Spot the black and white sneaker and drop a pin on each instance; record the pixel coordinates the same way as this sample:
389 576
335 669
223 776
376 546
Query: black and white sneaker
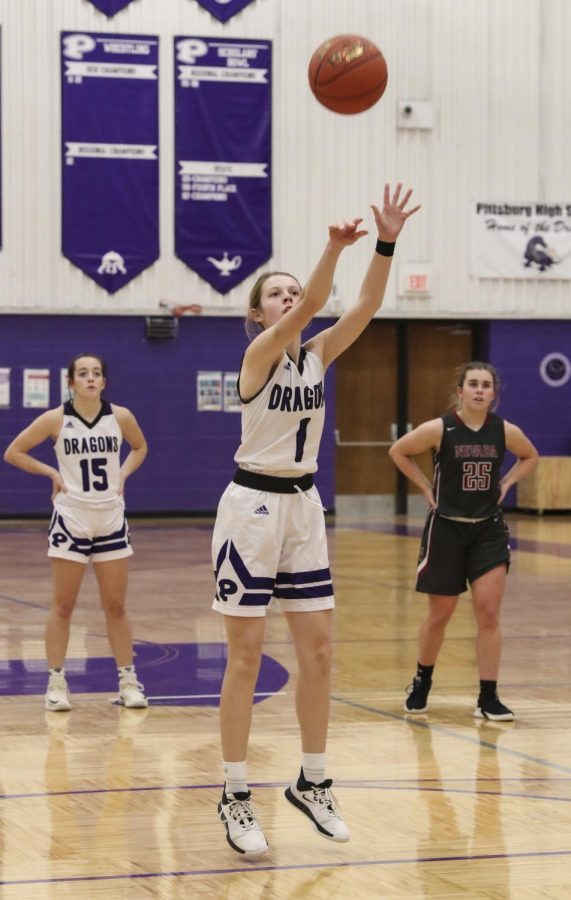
318 803
492 708
417 699
243 831
57 694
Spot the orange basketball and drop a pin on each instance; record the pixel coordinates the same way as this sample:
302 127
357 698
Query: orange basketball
348 74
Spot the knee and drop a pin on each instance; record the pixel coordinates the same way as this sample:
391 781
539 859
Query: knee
488 617
439 618
245 660
115 608
63 609
318 658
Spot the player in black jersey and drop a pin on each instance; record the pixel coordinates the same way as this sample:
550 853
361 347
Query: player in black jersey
465 538
89 517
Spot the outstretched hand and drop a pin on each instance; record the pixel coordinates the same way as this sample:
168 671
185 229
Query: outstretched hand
393 215
345 233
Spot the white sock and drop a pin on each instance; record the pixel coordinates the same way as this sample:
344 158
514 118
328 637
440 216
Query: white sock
313 765
125 670
235 777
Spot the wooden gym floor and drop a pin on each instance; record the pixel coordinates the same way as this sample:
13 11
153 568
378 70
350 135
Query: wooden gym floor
104 802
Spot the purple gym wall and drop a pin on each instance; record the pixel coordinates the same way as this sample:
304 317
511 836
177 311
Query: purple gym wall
191 453
544 412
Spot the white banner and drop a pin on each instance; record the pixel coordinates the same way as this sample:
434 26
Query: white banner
223 169
75 71
521 240
190 76
109 151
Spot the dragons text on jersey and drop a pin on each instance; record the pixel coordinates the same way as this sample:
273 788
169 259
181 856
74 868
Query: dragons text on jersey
283 423
88 455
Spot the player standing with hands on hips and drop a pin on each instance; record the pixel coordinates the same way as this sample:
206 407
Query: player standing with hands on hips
88 521
465 537
269 541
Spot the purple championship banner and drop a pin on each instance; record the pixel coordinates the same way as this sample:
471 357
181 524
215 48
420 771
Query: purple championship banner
110 7
224 9
223 118
110 137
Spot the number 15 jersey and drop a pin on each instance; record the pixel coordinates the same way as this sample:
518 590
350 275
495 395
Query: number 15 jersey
88 456
283 423
467 468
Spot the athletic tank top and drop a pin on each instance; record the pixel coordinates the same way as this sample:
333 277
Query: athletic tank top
88 456
283 423
467 468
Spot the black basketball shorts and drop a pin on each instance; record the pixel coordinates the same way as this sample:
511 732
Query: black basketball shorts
454 553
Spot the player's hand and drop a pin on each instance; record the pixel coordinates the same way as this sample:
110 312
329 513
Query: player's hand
343 234
429 497
394 214
504 488
57 485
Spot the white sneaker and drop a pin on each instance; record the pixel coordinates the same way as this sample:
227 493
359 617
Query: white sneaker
318 803
243 831
131 691
57 694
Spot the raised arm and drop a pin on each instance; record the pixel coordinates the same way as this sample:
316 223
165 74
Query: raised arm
17 453
520 445
426 437
390 220
266 349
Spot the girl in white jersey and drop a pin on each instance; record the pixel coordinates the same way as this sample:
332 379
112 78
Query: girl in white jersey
89 516
269 540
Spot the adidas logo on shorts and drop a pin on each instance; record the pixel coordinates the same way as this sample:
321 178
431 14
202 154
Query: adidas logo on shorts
262 511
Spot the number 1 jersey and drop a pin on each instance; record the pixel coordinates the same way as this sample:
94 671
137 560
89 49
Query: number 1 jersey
283 423
88 456
467 468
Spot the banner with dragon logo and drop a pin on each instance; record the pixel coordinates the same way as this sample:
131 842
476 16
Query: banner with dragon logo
223 212
527 240
110 137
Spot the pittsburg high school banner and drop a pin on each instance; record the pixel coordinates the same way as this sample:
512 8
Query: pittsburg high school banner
110 135
224 9
223 211
521 240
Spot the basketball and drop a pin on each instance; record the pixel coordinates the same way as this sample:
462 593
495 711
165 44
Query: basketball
348 74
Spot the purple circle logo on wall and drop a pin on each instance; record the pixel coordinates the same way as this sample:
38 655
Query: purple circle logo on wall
555 369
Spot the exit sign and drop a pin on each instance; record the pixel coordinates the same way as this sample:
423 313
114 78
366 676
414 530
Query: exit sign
415 280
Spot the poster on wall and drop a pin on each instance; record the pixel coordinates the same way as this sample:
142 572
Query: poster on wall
36 388
223 212
110 137
110 7
4 388
209 391
232 402
521 240
224 9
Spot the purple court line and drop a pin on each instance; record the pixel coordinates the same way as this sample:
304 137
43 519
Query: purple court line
450 733
405 784
413 860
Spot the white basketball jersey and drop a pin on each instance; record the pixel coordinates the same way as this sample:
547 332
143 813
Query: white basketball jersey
88 455
282 425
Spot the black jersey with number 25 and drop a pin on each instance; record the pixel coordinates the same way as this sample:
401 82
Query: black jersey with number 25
467 467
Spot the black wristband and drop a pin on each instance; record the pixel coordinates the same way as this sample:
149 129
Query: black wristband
385 248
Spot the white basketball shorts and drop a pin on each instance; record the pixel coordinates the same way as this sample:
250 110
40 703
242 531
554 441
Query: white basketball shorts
270 548
78 533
